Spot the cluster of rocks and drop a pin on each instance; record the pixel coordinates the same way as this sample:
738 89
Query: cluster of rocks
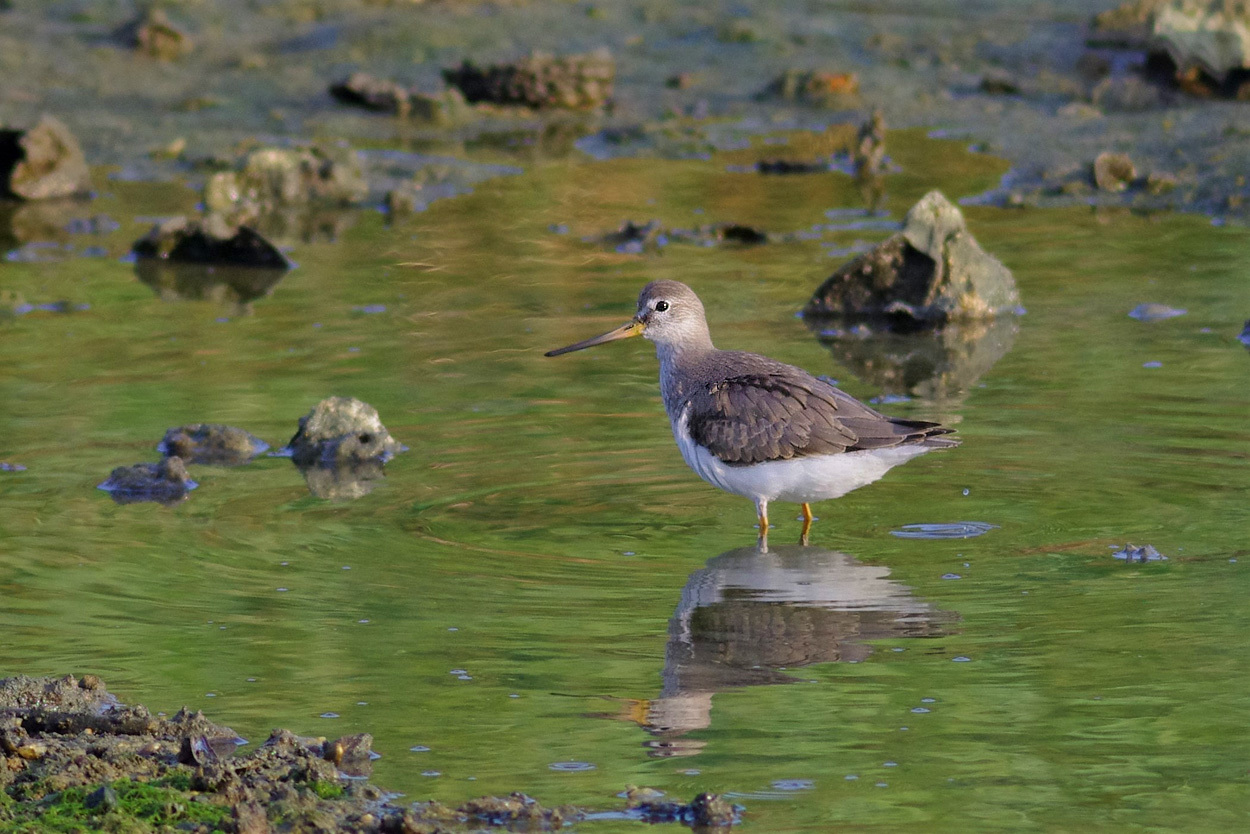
67 744
535 82
340 448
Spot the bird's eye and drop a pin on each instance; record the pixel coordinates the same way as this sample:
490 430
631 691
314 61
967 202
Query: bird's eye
661 306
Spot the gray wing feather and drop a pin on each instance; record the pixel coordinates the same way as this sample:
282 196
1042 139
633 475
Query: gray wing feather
782 414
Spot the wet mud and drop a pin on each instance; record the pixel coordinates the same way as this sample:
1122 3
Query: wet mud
75 758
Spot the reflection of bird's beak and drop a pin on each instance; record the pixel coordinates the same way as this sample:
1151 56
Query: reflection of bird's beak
634 328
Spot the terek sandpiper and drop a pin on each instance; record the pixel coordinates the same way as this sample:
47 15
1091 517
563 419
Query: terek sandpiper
757 427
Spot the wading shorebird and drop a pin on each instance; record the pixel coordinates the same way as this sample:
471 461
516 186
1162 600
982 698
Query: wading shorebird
760 428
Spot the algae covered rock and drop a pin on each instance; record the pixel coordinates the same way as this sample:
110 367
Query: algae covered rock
274 178
539 81
166 482
209 241
42 163
930 273
211 443
339 430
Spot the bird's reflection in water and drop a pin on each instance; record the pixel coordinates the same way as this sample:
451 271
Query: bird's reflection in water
748 615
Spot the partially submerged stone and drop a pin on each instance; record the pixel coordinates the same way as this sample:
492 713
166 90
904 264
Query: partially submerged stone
274 178
823 89
1244 338
707 810
153 34
340 430
211 443
539 81
166 482
1113 171
930 273
386 96
42 163
209 241
364 90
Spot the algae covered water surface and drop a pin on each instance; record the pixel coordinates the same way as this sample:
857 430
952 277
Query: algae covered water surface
539 596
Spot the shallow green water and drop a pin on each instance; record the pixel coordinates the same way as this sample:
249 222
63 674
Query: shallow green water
540 576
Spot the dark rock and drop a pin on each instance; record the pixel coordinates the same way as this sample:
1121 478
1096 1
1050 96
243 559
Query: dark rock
1113 171
822 89
42 163
930 273
166 482
340 430
212 443
632 235
999 83
155 35
384 95
576 82
373 93
209 241
789 166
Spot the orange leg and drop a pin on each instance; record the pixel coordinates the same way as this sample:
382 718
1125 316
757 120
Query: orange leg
761 509
807 523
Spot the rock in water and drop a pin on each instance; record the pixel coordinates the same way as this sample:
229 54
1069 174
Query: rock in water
211 443
42 163
209 241
575 82
930 273
167 482
339 430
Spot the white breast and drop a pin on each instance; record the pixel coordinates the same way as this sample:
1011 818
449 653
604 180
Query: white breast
799 480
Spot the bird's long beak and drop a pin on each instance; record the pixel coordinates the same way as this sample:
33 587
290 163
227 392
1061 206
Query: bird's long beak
625 331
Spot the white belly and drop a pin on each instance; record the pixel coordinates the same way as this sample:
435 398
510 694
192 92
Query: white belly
800 480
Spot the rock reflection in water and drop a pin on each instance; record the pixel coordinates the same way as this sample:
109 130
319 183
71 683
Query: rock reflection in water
342 482
748 615
942 364
232 285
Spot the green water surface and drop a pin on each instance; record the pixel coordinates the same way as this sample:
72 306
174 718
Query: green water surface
540 580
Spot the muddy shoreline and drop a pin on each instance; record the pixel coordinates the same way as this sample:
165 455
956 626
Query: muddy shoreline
1031 82
72 756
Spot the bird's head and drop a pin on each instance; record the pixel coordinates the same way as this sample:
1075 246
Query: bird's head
669 314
